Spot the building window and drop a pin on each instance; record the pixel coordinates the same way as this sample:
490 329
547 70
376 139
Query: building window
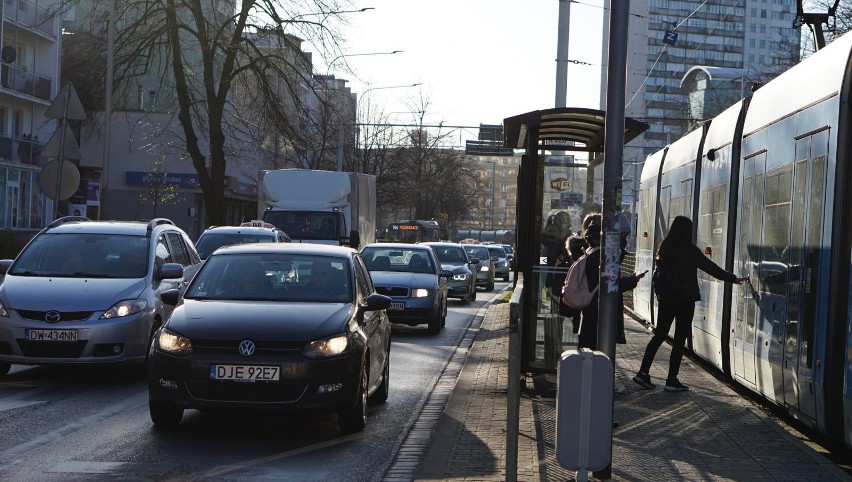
18 123
2 121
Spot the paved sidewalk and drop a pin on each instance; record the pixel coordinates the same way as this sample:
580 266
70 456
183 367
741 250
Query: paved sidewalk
707 434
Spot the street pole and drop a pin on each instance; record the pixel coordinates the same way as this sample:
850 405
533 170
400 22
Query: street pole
102 211
493 195
609 297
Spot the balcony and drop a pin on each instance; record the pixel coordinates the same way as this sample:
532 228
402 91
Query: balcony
25 82
31 16
21 149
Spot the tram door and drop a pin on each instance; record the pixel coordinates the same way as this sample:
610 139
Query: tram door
804 260
751 214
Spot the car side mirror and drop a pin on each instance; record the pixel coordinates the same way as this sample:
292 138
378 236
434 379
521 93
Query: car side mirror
376 302
170 271
474 260
170 297
4 265
354 239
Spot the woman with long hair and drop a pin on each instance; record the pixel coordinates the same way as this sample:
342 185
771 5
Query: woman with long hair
684 258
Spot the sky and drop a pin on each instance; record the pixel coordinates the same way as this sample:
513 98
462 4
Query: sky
479 61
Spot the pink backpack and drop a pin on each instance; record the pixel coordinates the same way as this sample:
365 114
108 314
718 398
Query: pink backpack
575 290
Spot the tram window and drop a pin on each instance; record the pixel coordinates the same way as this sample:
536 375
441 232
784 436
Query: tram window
813 248
776 231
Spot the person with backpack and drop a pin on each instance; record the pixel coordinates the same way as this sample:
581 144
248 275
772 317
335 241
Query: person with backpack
588 335
678 261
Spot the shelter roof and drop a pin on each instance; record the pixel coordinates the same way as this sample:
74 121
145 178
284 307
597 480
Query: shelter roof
560 127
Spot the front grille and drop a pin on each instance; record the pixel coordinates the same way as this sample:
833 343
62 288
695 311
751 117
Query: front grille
271 392
63 316
261 347
392 291
52 349
5 348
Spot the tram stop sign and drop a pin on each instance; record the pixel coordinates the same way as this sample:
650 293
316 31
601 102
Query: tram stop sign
69 182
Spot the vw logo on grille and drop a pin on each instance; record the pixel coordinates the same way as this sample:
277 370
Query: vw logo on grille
52 317
247 348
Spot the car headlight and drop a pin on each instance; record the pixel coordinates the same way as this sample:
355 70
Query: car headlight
484 269
459 277
3 311
172 343
326 347
420 293
125 308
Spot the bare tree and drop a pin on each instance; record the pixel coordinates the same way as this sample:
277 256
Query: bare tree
236 79
437 183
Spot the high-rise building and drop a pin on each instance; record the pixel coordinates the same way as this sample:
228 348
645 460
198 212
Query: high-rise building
668 38
750 42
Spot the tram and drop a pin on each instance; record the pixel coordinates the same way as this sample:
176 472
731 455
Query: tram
768 184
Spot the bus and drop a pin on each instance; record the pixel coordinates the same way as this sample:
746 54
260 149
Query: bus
413 231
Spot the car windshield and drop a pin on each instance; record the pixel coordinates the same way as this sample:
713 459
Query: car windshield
84 255
480 252
209 242
307 224
285 277
409 260
450 254
497 251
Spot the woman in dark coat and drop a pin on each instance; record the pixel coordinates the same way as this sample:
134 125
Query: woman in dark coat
678 249
588 335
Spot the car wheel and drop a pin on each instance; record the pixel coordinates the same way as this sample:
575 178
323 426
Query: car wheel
490 286
506 278
472 296
381 395
164 414
4 368
435 323
353 418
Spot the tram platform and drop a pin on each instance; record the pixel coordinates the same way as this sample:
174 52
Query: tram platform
708 433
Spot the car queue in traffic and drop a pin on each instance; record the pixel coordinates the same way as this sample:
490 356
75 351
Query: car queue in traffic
208 331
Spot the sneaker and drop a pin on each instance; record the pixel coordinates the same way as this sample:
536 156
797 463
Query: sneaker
675 386
644 380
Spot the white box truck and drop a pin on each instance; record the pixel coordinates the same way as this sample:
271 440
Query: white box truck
322 207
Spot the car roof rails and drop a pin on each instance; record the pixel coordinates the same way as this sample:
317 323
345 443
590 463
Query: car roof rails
156 222
66 219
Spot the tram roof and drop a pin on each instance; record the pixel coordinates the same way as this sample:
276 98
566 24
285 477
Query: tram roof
560 126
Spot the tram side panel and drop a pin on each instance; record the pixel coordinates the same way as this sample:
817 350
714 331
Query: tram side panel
648 233
714 236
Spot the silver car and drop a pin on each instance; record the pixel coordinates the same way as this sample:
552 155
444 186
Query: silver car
85 292
501 264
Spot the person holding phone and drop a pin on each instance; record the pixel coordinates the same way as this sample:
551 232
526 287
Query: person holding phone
677 248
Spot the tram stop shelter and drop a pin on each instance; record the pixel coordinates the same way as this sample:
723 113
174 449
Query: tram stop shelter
554 193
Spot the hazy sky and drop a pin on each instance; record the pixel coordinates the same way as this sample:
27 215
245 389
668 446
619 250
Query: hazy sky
479 61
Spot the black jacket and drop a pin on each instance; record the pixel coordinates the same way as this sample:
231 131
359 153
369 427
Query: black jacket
688 261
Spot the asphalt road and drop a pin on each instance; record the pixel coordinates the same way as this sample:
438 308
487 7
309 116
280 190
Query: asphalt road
80 423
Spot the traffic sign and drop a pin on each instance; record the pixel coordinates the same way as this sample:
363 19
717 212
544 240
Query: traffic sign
53 148
70 179
66 105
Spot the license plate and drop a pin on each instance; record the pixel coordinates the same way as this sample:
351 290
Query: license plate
397 306
52 335
246 373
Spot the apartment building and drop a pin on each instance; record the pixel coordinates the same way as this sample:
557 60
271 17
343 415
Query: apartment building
29 75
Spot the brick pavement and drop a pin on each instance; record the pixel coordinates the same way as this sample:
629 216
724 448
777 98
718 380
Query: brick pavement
707 434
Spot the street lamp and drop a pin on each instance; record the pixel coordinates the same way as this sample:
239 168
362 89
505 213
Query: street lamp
493 190
331 64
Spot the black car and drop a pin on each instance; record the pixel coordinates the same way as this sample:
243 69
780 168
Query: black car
287 327
452 256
